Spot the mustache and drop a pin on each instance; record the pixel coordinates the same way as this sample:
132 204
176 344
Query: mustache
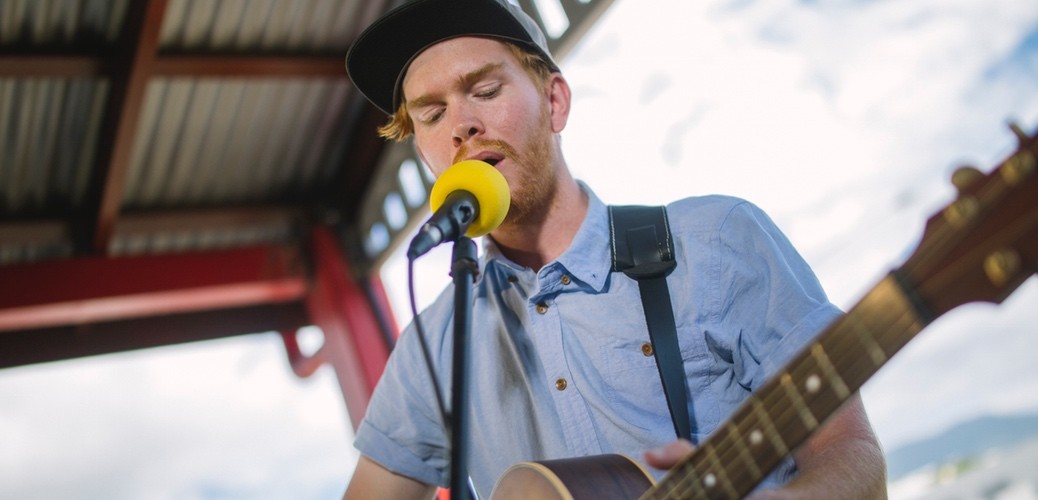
494 145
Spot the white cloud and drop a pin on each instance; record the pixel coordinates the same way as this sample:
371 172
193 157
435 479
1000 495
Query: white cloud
842 120
214 418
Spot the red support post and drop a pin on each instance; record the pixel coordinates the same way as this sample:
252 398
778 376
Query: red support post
353 340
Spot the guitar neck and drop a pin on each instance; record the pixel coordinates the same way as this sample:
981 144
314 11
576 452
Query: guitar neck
785 411
981 247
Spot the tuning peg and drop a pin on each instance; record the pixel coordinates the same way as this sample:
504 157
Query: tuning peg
1019 132
1001 266
966 176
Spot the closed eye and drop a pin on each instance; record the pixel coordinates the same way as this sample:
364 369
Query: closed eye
489 93
431 116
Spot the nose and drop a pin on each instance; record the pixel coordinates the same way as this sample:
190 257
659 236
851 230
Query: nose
466 127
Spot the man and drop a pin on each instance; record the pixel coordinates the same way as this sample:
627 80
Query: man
560 364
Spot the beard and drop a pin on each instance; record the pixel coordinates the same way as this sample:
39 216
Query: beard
535 184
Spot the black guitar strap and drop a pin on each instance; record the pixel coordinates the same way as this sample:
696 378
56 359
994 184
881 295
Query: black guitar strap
642 249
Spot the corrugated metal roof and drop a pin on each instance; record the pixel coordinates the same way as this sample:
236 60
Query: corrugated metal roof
204 136
130 128
61 22
266 25
48 138
218 141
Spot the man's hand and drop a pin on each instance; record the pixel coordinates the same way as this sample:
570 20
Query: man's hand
668 455
842 459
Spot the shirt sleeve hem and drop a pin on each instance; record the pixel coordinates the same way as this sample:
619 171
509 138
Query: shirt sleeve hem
379 447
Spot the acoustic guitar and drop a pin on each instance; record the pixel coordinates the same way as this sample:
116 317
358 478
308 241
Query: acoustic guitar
980 247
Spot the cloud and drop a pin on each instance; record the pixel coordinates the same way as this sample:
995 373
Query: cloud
844 120
222 416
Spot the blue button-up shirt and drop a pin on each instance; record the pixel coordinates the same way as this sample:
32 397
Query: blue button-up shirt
559 362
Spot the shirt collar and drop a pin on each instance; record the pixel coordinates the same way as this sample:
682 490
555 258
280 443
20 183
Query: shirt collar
588 256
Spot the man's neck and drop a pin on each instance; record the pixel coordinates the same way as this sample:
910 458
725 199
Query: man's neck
535 244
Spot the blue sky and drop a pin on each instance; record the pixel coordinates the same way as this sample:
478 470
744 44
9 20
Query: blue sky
843 120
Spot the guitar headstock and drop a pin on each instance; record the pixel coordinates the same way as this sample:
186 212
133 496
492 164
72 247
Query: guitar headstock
984 244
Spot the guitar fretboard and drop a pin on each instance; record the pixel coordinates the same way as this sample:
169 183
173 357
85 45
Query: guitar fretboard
782 414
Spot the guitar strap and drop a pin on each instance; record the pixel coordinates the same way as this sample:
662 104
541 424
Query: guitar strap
642 249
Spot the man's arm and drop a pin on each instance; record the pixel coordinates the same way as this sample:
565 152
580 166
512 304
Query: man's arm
372 480
843 459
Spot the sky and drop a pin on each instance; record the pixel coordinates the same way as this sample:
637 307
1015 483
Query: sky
842 120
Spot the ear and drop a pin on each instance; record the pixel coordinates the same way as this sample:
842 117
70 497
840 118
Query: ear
559 100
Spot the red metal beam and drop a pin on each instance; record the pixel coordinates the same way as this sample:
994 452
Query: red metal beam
66 342
354 341
93 289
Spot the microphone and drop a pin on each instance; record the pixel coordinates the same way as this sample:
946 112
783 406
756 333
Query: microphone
470 198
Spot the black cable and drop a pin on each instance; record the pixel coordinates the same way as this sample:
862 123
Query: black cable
425 348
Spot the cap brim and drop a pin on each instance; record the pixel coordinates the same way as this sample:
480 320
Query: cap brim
377 60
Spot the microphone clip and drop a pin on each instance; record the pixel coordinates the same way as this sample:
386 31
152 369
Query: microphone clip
450 222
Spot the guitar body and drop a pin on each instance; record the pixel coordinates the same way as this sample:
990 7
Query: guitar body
602 476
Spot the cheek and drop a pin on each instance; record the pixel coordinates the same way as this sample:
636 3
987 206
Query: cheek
437 160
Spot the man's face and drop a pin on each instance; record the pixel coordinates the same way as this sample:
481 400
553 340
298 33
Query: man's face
469 98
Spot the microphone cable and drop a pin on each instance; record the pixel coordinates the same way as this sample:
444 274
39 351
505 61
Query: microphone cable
488 190
447 421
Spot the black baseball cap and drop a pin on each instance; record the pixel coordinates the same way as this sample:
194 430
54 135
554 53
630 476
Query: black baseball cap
378 59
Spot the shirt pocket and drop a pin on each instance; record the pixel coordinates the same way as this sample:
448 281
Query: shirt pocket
635 391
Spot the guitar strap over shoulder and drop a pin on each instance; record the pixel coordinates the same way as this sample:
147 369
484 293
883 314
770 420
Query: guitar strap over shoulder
642 248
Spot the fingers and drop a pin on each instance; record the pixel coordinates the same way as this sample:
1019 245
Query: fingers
668 455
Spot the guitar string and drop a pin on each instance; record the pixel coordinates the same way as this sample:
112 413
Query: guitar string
841 349
838 353
726 448
837 349
784 417
739 423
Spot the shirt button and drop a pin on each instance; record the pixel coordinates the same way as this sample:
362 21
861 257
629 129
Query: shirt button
513 279
560 384
565 279
542 308
647 349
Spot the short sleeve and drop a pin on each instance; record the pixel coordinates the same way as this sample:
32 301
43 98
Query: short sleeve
402 430
772 304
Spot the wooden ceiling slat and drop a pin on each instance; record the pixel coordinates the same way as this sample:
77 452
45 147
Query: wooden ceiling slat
247 66
77 66
50 66
138 47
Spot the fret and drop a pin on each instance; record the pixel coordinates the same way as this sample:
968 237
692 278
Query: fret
689 483
769 432
744 452
798 402
716 474
868 341
835 380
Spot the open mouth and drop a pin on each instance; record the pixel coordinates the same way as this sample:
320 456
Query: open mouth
489 156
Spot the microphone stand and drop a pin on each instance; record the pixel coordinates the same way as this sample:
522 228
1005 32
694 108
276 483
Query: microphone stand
464 270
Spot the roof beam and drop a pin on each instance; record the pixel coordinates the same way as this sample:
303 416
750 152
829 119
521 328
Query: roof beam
96 289
66 342
138 49
79 66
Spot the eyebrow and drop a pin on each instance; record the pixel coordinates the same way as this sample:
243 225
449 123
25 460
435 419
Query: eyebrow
464 80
